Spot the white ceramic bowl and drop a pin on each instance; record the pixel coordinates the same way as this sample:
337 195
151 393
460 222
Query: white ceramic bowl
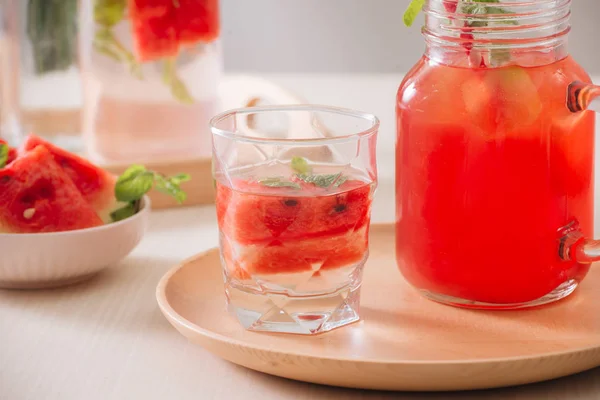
42 260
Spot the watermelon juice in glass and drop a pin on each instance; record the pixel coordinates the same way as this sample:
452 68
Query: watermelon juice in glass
494 157
294 188
151 71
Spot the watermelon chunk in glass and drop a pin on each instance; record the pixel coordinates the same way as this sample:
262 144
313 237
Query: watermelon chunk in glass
301 255
36 195
269 230
248 216
160 27
95 184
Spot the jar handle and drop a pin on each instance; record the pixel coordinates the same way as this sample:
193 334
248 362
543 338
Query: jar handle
573 245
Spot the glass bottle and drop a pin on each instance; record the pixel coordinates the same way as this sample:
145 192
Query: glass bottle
151 73
494 157
39 78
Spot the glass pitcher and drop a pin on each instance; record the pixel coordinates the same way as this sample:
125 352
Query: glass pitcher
494 157
151 74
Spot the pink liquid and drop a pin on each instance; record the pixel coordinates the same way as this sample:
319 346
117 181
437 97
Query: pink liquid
124 130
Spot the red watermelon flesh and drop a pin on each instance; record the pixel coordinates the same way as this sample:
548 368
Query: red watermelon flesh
153 28
36 195
197 20
12 153
254 214
159 27
95 184
276 230
299 255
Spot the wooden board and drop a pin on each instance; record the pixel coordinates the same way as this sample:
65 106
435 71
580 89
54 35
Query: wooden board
403 342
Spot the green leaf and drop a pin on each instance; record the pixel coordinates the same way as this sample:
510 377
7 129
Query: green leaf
170 186
106 42
180 178
178 88
279 182
124 212
499 10
109 12
340 181
412 11
483 7
323 180
136 181
3 154
499 57
132 171
103 48
300 165
134 184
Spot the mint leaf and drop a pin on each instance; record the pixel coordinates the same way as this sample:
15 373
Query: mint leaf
340 181
499 10
3 154
412 11
471 7
135 182
124 212
105 42
180 178
499 57
178 88
131 172
300 165
109 12
483 7
323 180
278 182
170 186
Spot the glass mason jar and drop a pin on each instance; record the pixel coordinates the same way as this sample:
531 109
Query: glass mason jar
494 157
151 73
40 82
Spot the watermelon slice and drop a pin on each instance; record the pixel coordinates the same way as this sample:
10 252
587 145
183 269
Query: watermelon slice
289 230
197 20
159 27
36 195
95 184
12 153
249 218
299 255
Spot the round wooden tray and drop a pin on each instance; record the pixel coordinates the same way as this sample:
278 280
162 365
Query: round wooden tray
403 342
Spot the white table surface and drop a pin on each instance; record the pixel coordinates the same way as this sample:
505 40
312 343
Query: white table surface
106 338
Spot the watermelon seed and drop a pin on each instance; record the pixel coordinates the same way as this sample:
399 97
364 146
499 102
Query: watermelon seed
27 199
5 179
291 203
29 213
338 208
46 192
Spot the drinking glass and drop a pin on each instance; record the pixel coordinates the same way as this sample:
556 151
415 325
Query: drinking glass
294 186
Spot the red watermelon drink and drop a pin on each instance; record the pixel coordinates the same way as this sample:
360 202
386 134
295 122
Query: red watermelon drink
494 161
294 229
151 71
